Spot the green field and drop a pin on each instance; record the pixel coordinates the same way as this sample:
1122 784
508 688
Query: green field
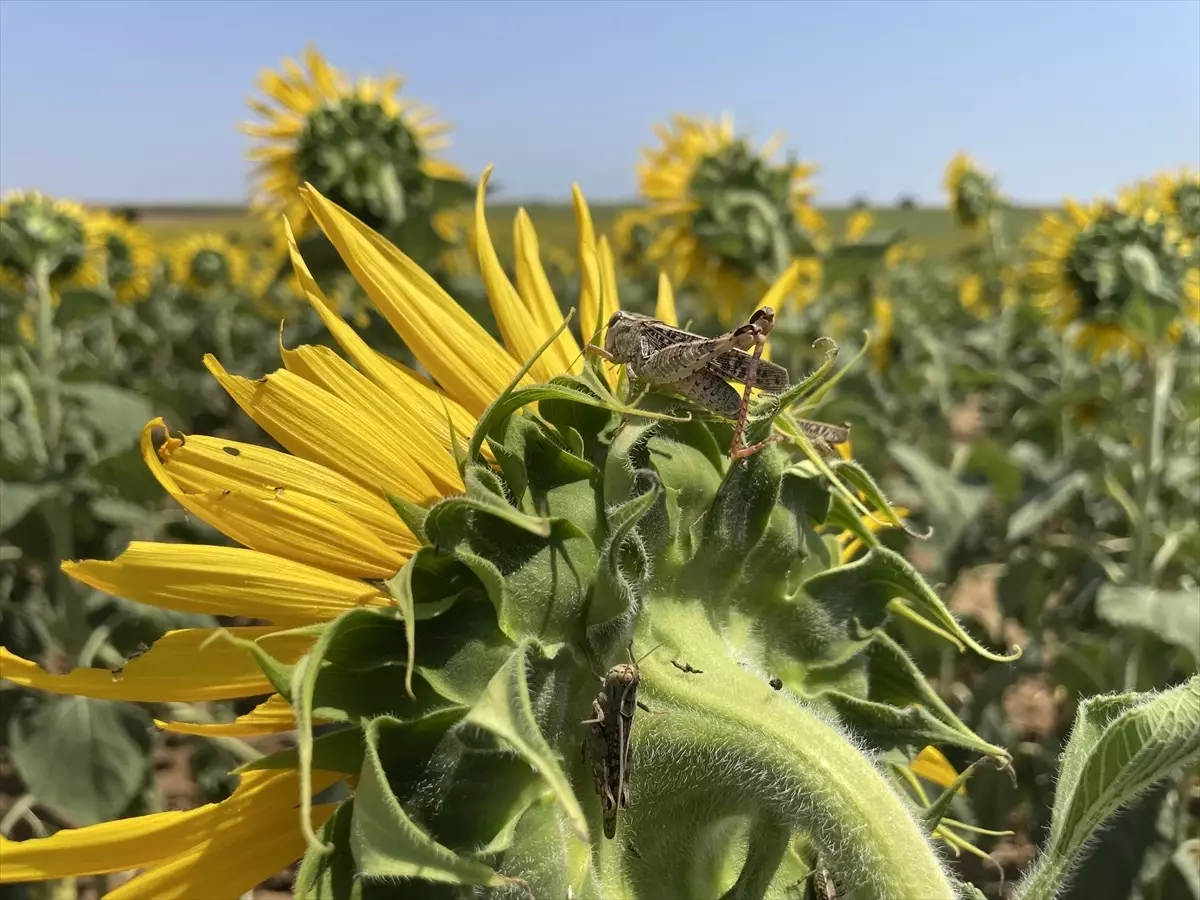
932 227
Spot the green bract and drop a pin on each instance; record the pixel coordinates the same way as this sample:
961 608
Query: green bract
362 158
744 215
460 711
1117 256
974 198
34 227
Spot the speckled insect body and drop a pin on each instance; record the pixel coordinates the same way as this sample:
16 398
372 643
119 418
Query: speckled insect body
607 742
695 367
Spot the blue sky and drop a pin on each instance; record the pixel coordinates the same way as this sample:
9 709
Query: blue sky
108 101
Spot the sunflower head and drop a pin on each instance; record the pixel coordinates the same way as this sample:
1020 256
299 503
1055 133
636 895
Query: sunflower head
207 262
1116 272
972 192
36 227
724 216
127 257
358 144
1179 196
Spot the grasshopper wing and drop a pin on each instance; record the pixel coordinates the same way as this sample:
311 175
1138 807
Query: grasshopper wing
732 365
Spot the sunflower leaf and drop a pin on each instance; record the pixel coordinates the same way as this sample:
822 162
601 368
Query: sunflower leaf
82 758
1121 745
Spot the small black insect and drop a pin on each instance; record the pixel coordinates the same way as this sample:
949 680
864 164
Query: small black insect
776 682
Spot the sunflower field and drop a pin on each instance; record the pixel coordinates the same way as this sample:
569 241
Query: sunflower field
322 522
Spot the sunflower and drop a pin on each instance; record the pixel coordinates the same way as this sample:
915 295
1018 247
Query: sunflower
128 257
971 191
316 534
208 261
318 529
1090 263
981 296
1179 195
34 226
357 143
720 215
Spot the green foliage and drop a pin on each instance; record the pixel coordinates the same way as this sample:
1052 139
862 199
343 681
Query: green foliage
1120 746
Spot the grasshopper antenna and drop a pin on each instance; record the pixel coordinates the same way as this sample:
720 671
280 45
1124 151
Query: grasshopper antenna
591 344
638 661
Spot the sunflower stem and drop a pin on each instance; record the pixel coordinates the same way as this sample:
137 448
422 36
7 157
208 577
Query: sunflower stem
57 509
1159 376
47 359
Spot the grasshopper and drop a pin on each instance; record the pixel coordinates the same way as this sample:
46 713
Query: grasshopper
607 741
701 368
824 885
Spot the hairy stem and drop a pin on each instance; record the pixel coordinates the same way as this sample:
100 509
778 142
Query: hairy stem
1160 376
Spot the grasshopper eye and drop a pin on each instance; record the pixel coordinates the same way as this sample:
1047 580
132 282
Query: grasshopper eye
612 320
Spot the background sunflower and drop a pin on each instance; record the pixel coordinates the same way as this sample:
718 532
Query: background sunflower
1111 272
208 261
126 255
721 216
1179 195
354 141
971 191
33 227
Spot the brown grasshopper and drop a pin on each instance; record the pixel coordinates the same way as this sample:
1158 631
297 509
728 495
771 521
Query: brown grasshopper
607 741
701 368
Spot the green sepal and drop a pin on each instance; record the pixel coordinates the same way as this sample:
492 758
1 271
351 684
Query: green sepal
386 843
412 515
933 814
332 876
506 711
337 751
616 590
865 588
339 640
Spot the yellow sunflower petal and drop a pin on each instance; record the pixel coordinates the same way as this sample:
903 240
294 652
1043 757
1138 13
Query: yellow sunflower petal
272 716
422 397
225 581
314 424
521 331
777 293
199 463
932 765
664 306
285 523
175 669
609 300
145 840
456 350
590 320
391 420
242 854
534 287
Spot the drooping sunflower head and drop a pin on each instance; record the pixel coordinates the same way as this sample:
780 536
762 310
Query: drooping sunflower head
357 143
971 191
446 560
724 217
208 261
1179 196
127 257
1096 266
60 233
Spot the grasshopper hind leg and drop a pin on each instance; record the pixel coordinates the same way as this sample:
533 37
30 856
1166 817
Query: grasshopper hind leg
711 392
